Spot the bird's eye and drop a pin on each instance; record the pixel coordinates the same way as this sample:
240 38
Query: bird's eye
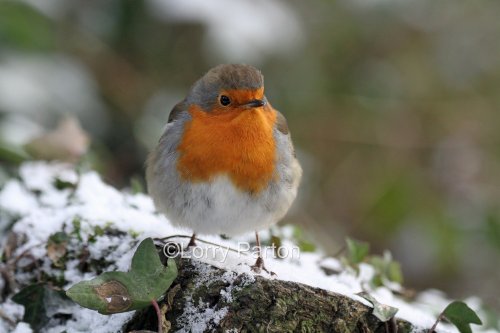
224 100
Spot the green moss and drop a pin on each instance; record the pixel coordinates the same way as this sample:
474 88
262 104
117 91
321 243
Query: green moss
265 305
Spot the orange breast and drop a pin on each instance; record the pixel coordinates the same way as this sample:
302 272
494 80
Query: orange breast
238 144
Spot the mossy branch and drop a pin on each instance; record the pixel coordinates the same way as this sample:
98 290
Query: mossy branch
258 304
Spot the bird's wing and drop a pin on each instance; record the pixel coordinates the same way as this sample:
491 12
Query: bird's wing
282 127
176 111
281 123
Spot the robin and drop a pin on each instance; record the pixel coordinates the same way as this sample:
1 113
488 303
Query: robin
225 163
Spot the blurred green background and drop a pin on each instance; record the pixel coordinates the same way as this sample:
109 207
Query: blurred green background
394 107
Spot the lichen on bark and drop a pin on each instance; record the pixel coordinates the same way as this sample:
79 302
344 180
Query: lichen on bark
258 304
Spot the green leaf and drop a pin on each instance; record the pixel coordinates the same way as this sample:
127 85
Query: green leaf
385 269
12 154
306 246
381 311
77 227
61 184
357 251
394 272
108 293
23 27
37 299
145 258
276 245
461 316
136 185
114 292
59 237
301 240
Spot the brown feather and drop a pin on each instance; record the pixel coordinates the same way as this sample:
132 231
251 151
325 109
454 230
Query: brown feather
177 109
281 123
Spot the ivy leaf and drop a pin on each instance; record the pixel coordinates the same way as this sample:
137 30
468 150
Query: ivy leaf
39 301
107 293
385 269
300 239
357 251
114 292
461 316
381 311
146 260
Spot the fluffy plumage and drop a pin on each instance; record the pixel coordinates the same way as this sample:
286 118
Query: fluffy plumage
224 169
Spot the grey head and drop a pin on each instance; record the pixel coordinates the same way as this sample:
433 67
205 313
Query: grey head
205 92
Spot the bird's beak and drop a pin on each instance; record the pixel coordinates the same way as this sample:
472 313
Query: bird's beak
255 103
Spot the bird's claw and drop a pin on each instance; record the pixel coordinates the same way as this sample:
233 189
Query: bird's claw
258 267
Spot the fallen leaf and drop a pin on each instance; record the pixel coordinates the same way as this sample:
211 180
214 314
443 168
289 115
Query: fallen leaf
381 311
57 248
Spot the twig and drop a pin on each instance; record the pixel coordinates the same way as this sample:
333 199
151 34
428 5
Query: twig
7 269
439 318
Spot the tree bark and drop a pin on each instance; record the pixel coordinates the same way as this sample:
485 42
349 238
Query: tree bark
256 304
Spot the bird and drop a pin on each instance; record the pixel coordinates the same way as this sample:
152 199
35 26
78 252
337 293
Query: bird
225 163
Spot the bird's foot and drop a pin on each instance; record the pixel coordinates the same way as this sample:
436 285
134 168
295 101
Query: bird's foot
258 267
192 242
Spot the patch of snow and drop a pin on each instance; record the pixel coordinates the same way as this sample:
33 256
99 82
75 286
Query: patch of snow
199 317
16 199
142 202
22 328
331 263
40 176
13 311
195 321
84 320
